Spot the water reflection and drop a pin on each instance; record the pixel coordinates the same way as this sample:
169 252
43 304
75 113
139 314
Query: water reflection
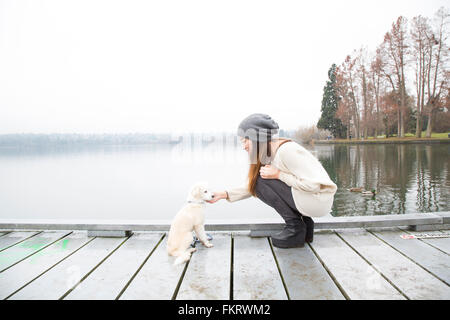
408 177
151 181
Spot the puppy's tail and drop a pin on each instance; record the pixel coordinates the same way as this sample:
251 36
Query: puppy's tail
183 257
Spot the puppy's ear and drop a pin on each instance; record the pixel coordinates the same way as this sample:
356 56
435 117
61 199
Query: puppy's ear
196 192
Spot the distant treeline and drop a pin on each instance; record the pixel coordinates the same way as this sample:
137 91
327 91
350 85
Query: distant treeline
62 139
71 139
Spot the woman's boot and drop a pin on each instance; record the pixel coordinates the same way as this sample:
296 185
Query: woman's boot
309 228
292 236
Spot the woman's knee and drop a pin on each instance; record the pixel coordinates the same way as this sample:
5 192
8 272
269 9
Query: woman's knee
273 190
273 184
262 186
262 190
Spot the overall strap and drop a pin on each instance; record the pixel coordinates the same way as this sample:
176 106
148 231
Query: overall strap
288 140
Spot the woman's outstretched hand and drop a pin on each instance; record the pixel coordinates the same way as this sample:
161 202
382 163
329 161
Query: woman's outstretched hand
269 172
217 196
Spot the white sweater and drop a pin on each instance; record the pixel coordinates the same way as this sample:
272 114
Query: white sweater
312 189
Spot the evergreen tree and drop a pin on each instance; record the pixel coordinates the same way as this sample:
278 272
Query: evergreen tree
329 107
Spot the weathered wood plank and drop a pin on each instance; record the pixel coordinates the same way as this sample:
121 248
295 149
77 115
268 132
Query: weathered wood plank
109 233
107 281
378 221
158 278
433 260
429 227
64 276
304 275
355 276
25 271
440 243
21 250
255 273
208 275
327 222
411 279
407 230
12 238
445 216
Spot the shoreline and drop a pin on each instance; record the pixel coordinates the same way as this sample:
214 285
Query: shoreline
385 141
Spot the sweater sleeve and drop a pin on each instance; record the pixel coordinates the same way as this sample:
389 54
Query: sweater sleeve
238 193
305 172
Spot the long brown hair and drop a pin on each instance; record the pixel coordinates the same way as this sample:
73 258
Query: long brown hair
253 173
260 155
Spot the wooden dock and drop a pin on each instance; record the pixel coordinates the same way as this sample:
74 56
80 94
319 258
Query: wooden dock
354 263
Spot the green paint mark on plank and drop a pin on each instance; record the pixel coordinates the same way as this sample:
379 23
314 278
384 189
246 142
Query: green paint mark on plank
34 245
64 244
60 246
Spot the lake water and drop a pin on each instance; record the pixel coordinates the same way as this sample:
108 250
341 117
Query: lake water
152 181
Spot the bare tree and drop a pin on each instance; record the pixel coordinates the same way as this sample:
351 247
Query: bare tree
361 58
345 104
349 70
373 91
437 76
389 110
395 47
376 78
420 34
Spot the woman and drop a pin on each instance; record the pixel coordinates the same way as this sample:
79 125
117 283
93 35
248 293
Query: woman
285 176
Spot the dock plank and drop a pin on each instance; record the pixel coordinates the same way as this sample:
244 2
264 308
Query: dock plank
64 276
356 277
208 274
435 261
355 264
107 281
255 273
442 244
327 222
304 275
378 221
12 238
25 271
411 279
26 248
158 278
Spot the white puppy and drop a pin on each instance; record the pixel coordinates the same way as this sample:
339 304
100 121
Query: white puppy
189 218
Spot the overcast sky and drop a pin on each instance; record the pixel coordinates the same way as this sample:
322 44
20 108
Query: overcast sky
151 66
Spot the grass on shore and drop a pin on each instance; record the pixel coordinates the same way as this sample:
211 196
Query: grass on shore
433 135
408 136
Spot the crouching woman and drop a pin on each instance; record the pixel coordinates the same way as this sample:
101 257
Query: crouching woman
285 176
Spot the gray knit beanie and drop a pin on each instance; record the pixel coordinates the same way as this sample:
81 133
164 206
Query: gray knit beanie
258 127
